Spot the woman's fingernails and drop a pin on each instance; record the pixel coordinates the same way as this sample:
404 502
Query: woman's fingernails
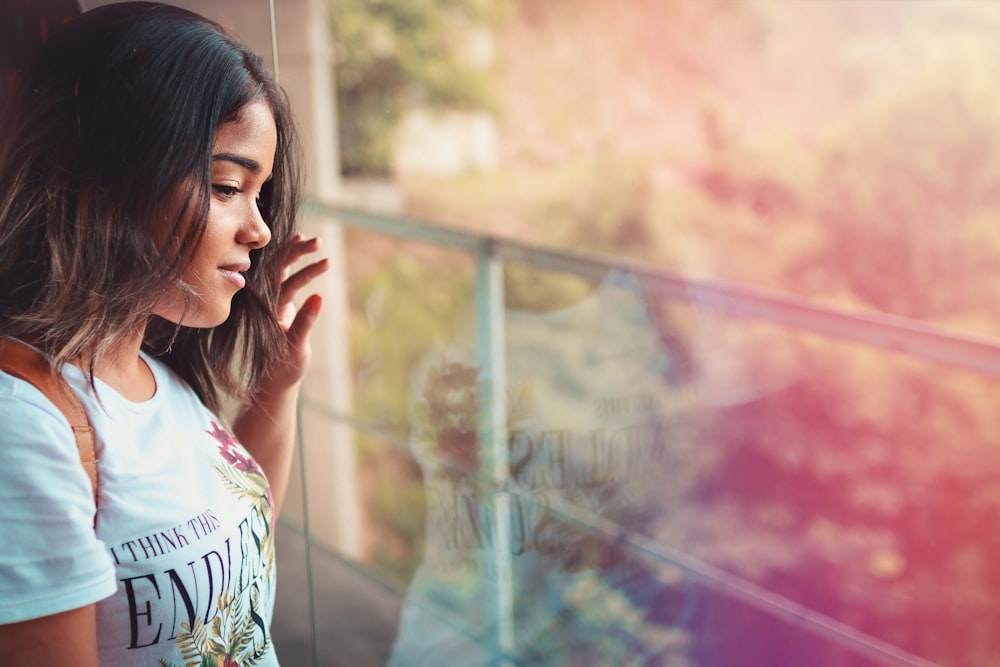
314 303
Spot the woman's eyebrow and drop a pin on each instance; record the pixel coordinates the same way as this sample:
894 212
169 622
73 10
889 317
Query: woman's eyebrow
245 162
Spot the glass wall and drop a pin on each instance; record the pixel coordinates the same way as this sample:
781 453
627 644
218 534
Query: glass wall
564 460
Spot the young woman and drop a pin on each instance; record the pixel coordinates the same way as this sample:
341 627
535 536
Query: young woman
148 187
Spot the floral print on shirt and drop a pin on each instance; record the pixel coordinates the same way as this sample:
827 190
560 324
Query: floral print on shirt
235 636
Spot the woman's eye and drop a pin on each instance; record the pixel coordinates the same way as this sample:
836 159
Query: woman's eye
226 191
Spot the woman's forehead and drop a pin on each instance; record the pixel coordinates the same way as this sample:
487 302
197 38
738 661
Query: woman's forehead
249 140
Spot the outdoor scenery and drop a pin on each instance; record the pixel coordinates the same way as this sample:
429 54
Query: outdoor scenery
684 487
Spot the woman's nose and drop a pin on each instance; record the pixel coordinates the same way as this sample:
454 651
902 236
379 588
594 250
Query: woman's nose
255 232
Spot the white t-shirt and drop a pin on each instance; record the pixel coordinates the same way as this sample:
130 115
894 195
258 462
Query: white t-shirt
181 564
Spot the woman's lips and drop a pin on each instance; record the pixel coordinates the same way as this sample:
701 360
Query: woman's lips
233 275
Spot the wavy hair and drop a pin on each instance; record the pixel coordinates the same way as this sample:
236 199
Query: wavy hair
105 168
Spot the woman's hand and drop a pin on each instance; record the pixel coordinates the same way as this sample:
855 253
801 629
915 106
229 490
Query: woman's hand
297 323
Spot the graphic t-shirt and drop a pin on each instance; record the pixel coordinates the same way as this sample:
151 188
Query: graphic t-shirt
181 562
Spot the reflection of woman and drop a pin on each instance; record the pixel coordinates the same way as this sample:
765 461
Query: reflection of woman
147 194
596 436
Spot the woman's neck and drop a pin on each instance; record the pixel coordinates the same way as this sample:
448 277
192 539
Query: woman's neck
125 371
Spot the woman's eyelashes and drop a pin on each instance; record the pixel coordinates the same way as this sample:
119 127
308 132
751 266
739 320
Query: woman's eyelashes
225 192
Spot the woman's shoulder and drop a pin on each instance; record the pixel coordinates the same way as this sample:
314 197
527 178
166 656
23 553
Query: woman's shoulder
19 399
34 434
51 560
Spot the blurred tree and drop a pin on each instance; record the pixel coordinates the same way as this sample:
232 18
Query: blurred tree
395 55
908 187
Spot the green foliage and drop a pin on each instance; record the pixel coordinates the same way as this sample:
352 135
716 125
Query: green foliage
396 55
399 504
400 312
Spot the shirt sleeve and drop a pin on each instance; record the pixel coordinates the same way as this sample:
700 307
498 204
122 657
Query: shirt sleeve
50 557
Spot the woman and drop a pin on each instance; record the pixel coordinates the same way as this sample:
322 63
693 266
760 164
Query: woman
148 187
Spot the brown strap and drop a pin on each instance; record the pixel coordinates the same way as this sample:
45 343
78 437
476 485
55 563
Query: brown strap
24 362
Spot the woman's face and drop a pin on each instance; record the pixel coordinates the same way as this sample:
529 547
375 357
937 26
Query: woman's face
242 159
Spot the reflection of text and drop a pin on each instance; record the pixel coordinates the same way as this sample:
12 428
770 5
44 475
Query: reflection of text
624 405
589 468
564 458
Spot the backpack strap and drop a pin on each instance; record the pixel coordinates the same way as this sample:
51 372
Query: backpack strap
26 363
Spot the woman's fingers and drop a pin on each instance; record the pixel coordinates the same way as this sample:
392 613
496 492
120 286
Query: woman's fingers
297 323
294 283
299 248
305 320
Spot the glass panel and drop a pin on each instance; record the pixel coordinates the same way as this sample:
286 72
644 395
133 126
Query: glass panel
407 301
600 445
854 481
691 489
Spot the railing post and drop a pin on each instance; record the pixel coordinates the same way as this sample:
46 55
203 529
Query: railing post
496 579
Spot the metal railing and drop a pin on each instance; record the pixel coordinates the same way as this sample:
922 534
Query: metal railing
893 334
882 331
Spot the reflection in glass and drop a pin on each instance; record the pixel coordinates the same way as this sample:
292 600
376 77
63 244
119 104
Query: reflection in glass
595 426
687 489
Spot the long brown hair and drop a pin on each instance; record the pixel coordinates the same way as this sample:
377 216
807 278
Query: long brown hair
104 136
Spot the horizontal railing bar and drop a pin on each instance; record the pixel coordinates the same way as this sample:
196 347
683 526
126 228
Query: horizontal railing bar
883 331
404 227
708 575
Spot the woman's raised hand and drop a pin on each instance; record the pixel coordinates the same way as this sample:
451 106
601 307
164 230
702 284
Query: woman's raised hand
297 322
